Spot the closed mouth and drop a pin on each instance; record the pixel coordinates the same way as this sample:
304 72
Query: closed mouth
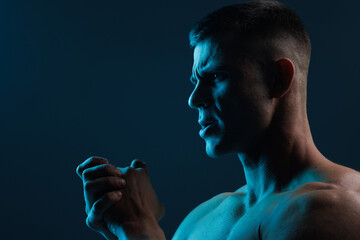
206 124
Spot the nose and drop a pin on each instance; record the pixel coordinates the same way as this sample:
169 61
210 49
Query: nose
199 98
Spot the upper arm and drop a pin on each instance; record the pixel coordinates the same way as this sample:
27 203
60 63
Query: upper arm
330 214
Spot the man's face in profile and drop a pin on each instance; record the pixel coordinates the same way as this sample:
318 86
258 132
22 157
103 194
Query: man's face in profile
231 98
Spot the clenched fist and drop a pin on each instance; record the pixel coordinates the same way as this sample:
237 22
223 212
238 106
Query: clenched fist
120 202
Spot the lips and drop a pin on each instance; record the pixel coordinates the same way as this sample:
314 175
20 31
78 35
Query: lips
206 122
207 128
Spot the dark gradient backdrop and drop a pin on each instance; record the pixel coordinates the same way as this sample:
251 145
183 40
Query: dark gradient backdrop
110 78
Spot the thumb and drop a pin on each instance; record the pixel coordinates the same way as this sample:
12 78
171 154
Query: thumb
136 163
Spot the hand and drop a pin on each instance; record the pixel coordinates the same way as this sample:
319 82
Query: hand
114 209
139 210
102 188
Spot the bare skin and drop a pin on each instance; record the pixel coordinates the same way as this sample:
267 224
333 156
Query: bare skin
228 216
293 192
120 202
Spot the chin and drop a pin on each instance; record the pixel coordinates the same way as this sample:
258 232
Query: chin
216 150
212 154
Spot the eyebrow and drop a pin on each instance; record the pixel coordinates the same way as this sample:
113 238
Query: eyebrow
220 68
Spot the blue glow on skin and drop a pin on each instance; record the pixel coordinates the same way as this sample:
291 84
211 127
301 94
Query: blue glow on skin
234 104
242 108
266 184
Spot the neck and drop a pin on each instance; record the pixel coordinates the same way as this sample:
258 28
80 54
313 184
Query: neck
285 159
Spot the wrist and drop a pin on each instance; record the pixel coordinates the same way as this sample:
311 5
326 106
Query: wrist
147 229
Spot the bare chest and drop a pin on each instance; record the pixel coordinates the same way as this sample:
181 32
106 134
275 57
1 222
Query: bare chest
230 221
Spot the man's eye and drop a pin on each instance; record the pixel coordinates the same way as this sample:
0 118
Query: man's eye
217 77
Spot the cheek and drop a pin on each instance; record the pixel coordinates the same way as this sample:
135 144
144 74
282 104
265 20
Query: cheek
242 111
227 98
231 101
220 95
241 104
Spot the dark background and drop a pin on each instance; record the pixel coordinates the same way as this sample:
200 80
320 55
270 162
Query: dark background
110 78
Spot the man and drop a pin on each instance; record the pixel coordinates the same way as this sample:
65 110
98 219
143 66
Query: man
250 70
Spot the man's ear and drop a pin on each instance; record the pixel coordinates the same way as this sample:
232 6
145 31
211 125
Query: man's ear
283 78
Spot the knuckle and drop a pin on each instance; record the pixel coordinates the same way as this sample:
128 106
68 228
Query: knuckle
87 208
87 186
96 209
90 159
97 160
115 182
93 159
108 168
89 223
86 173
78 170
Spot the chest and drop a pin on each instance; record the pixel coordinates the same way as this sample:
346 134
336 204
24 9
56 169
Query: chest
229 221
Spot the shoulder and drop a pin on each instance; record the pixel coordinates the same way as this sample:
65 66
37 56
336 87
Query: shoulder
198 213
315 211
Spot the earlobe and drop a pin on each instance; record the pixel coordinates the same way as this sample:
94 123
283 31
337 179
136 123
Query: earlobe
284 77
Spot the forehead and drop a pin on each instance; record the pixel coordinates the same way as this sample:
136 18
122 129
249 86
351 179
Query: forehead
207 54
213 53
243 59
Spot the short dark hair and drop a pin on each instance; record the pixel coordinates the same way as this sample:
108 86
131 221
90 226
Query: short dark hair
267 18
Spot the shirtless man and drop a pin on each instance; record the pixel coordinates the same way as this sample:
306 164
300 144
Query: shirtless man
250 70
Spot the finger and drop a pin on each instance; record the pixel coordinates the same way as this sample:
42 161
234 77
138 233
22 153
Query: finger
102 185
95 219
90 162
136 163
95 216
99 171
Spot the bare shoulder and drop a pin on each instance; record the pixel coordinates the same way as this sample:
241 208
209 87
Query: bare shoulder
315 210
348 178
198 213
